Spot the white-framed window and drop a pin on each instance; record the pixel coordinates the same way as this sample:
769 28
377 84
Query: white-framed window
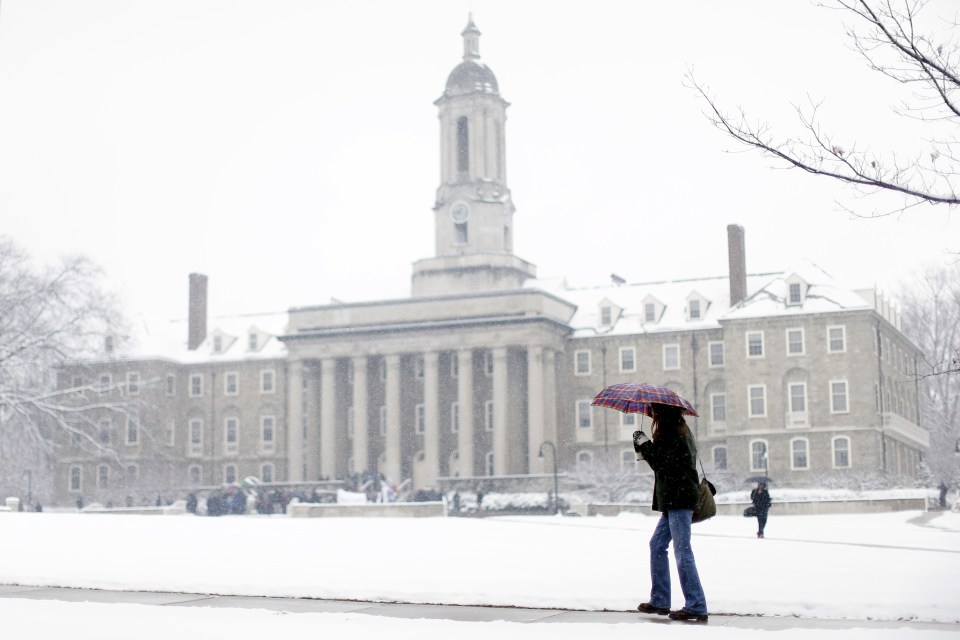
584 460
231 383
584 414
628 421
75 483
268 382
268 434
719 458
841 452
488 459
488 415
252 343
103 476
716 354
133 432
105 382
488 363
420 419
231 434
196 385
837 339
795 345
196 436
718 408
671 357
266 472
196 474
171 433
694 309
757 400
628 359
581 362
794 293
799 454
758 456
838 397
383 420
455 417
133 383
171 384
628 460
217 344
649 312
798 397
230 473
754 344
606 315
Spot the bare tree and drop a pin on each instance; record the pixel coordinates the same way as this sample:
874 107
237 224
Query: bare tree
606 480
891 44
50 317
931 319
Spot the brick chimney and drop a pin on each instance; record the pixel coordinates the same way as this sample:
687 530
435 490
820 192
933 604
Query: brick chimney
736 248
198 310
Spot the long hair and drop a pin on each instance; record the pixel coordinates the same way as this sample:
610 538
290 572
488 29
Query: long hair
667 419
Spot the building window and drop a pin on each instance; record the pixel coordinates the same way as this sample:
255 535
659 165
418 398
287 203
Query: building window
133 383
628 420
628 460
628 359
694 309
455 417
838 396
463 145
132 473
489 460
757 396
231 385
718 407
582 364
419 367
488 415
420 418
196 436
196 475
196 385
217 344
841 452
252 342
230 474
584 414
798 397
231 434
171 433
266 472
795 296
104 431
837 339
488 363
798 454
755 344
606 315
133 433
794 342
103 476
267 381
267 426
584 460
758 456
108 344
649 312
460 233
171 384
671 357
720 458
716 354
105 382
76 477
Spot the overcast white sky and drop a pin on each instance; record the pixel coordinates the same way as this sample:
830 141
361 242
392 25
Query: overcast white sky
289 149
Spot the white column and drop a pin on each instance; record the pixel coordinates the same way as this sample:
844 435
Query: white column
550 431
500 442
361 413
295 443
328 418
465 401
535 406
392 467
431 411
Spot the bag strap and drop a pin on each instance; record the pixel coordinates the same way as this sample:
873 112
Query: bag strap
701 467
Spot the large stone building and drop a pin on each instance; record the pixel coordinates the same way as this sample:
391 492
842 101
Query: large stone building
792 373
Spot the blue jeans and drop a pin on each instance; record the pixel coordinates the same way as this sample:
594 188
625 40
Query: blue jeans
675 525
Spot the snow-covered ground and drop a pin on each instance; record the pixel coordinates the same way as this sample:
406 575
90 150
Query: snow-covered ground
896 566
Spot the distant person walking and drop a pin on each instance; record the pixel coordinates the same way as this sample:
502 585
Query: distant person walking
761 503
672 454
943 494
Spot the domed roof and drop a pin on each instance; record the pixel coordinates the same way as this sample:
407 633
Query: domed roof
471 76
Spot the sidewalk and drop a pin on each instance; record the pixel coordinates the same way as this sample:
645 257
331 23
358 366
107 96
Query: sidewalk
440 612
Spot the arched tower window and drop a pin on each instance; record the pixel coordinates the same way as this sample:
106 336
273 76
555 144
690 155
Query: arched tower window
460 233
463 145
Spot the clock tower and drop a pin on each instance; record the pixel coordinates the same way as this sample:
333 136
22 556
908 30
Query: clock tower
473 213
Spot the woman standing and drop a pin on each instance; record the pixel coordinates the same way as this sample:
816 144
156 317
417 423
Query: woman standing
672 454
761 502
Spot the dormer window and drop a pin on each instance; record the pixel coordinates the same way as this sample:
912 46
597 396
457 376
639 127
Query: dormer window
252 342
108 344
796 290
694 309
794 293
697 306
606 316
649 312
217 344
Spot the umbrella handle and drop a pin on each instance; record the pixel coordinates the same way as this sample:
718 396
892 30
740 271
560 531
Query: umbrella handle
640 457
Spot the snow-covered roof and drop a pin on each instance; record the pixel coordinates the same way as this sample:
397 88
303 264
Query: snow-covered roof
767 295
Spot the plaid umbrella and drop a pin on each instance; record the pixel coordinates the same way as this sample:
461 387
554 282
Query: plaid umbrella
636 397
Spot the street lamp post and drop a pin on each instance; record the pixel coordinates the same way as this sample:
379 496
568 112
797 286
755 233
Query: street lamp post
556 494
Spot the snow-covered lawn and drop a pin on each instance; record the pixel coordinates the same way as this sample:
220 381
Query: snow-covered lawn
897 566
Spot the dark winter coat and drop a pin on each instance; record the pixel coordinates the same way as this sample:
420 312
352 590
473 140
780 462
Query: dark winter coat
673 459
761 500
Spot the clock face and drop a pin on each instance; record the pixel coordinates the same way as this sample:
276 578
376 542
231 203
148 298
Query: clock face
460 211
